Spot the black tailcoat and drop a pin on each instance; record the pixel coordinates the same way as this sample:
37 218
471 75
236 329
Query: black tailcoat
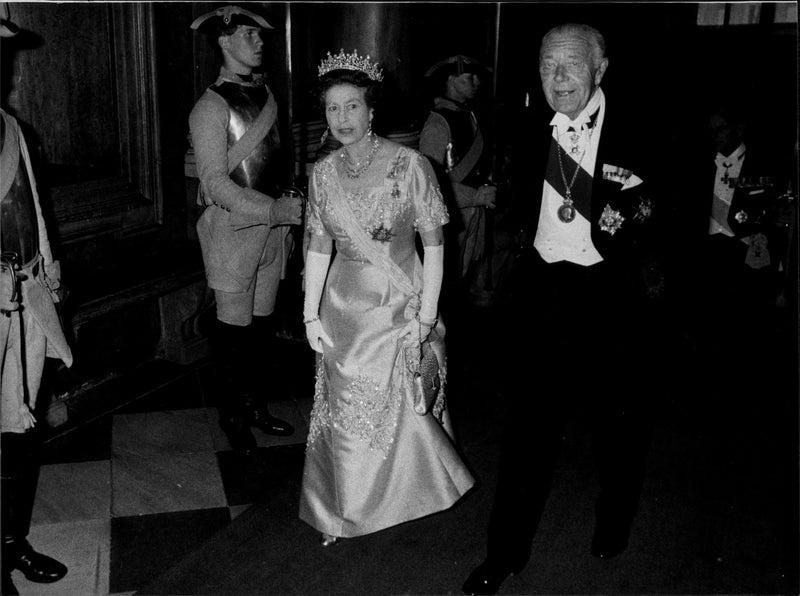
635 250
579 340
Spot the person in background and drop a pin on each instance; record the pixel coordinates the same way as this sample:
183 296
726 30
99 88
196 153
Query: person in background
372 460
30 331
244 230
579 319
453 139
731 258
735 268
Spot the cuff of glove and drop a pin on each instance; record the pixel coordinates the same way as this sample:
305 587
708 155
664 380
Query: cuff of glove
428 322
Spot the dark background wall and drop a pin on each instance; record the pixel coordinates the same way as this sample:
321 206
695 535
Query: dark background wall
136 276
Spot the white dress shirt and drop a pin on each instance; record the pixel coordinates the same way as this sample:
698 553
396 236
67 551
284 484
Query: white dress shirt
728 170
556 240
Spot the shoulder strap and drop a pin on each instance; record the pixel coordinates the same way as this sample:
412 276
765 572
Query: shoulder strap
255 134
464 167
249 141
10 161
470 160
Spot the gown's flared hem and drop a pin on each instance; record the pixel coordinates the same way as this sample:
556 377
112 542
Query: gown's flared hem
350 530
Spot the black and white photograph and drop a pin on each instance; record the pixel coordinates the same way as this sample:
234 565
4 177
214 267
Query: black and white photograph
382 298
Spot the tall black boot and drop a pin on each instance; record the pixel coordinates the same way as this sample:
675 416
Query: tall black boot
229 349
20 473
262 375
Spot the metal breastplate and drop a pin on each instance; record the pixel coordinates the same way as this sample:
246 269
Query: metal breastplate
245 104
19 228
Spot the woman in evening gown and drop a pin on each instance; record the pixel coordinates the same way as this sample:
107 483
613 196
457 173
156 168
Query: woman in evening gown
372 462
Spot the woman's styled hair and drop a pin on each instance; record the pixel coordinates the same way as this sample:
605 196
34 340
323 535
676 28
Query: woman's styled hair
356 78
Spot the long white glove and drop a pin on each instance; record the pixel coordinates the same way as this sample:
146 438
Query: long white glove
316 271
432 272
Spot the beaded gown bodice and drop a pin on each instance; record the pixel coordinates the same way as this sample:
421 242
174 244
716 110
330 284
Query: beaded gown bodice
390 202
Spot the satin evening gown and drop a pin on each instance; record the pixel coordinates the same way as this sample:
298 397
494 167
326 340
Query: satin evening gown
371 461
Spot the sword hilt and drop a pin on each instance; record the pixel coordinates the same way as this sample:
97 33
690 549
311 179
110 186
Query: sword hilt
9 261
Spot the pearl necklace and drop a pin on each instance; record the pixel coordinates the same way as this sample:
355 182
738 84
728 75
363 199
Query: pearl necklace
354 170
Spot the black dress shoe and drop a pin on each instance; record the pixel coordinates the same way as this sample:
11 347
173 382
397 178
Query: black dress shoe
271 425
487 578
239 435
607 544
37 567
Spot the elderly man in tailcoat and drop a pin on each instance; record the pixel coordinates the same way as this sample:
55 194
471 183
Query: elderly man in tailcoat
580 318
244 230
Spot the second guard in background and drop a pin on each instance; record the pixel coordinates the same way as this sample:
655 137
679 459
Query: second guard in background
453 139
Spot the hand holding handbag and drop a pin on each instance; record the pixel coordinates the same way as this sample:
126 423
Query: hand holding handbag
427 382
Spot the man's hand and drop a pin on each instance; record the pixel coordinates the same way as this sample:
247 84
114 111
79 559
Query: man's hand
485 196
287 211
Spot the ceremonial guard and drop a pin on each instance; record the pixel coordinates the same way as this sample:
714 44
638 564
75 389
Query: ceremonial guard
244 230
30 331
453 140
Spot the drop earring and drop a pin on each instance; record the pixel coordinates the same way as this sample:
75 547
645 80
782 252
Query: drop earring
324 136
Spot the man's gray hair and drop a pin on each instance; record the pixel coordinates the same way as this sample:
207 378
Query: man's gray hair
597 42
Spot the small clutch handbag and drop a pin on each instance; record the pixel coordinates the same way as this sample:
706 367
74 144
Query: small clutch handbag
426 380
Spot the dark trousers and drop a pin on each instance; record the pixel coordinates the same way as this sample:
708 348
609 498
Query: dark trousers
733 320
733 297
20 473
245 365
583 346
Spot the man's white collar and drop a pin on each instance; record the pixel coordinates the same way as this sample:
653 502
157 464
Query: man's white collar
736 155
563 122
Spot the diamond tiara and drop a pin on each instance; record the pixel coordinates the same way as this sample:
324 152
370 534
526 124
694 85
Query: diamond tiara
342 61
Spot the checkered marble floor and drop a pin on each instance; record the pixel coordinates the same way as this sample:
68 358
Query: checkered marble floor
122 497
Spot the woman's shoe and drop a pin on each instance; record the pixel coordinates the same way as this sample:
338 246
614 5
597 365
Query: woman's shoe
487 578
328 540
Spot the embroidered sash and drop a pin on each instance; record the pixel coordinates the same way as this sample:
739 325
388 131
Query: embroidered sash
581 190
367 247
